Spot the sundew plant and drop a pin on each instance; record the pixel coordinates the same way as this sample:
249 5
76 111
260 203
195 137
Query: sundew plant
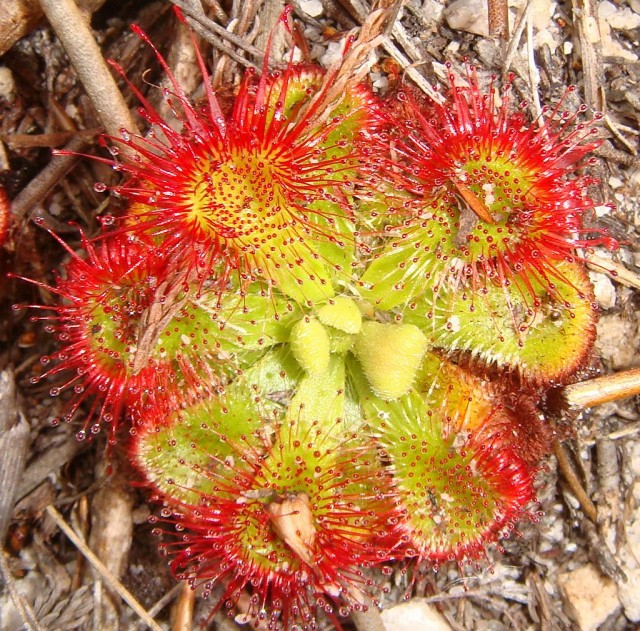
323 327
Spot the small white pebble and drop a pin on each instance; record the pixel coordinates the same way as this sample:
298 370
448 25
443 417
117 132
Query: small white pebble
603 290
602 211
453 47
317 51
333 54
468 15
567 48
615 182
381 84
313 8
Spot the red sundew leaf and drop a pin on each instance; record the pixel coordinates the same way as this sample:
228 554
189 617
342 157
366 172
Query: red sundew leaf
243 538
99 323
259 191
505 190
454 464
292 522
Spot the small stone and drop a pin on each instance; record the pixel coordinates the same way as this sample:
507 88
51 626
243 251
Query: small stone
468 15
603 290
612 48
629 590
313 8
415 615
629 593
541 14
590 597
333 54
610 345
631 462
618 18
432 11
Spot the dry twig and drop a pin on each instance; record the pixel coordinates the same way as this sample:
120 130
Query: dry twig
41 185
615 270
586 394
498 18
73 31
591 47
14 443
564 464
105 574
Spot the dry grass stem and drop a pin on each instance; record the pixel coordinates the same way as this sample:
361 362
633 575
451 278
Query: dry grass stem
183 613
208 29
43 183
111 581
615 270
569 474
591 47
14 447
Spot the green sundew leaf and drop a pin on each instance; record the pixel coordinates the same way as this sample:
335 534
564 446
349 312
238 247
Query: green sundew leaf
355 113
390 355
199 450
382 415
296 268
341 313
499 326
383 208
104 331
254 321
320 400
302 82
334 243
310 345
274 378
403 269
192 326
340 342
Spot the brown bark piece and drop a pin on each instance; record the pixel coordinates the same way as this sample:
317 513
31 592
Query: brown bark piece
17 19
14 442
